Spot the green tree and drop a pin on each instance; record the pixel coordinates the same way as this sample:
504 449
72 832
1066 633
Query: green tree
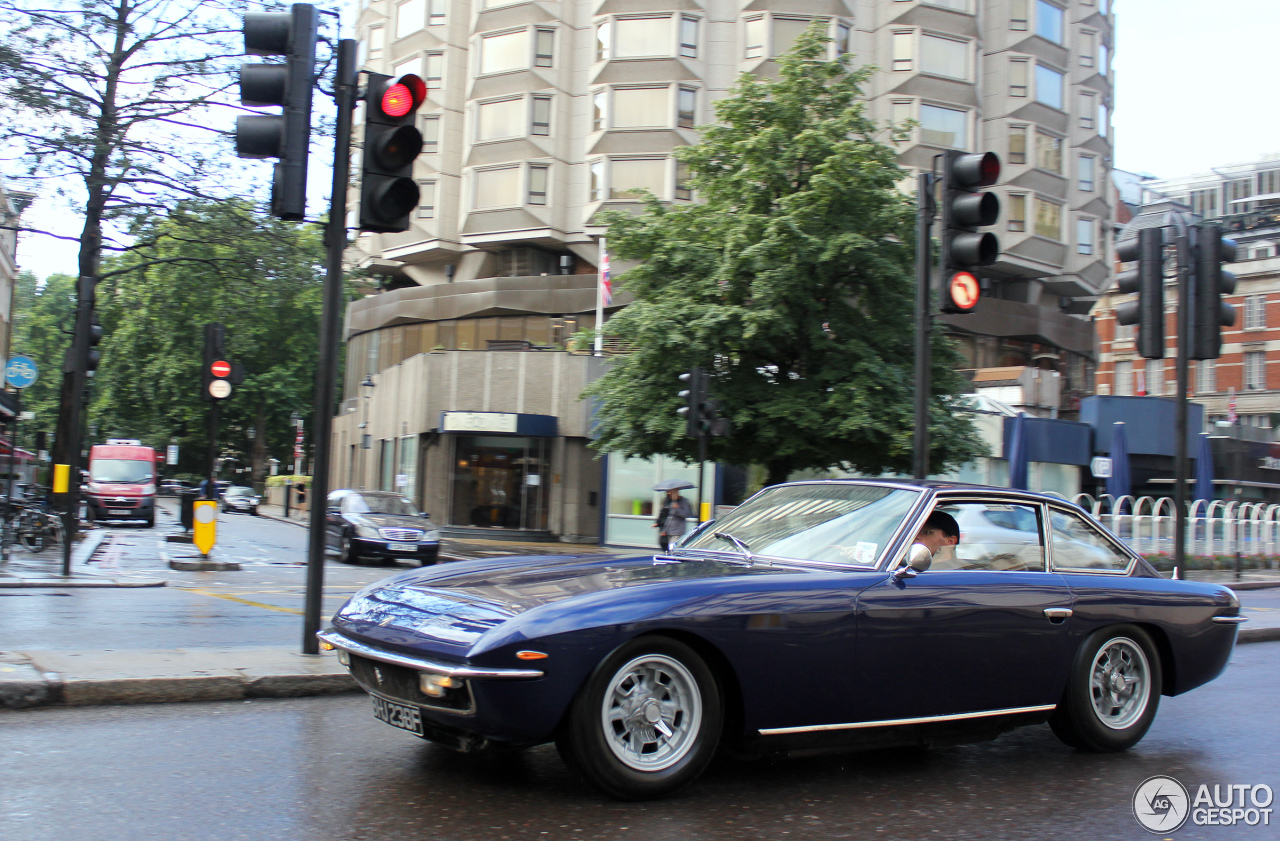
791 282
261 278
42 314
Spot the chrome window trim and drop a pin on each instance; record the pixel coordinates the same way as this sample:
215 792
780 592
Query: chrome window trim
898 722
1101 529
422 664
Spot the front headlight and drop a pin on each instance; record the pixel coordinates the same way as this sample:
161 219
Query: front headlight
368 532
148 490
93 488
431 536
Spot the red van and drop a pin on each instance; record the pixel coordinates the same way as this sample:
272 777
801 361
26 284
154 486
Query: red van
122 481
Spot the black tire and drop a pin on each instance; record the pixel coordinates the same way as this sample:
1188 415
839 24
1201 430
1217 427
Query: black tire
151 520
347 550
610 736
1113 691
253 511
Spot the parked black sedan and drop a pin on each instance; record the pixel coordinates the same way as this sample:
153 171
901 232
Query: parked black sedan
815 615
378 524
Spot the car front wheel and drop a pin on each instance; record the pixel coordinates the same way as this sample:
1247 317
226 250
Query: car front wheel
1113 692
347 550
646 723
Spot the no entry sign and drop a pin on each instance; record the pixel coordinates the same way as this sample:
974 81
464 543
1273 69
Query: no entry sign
221 369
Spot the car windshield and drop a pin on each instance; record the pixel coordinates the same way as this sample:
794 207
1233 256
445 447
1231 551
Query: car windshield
119 471
239 491
380 504
829 522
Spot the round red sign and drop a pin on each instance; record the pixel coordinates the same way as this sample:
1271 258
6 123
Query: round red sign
965 290
221 368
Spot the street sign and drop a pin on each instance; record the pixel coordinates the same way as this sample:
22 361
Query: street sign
220 389
171 456
221 369
21 372
205 528
1101 467
965 290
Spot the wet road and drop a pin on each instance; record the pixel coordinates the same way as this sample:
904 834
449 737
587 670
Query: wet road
324 769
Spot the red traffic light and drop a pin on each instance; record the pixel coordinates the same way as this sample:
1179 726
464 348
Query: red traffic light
221 369
403 97
979 169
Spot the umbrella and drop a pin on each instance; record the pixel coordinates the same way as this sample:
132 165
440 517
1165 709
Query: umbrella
1204 470
674 485
1016 452
1118 483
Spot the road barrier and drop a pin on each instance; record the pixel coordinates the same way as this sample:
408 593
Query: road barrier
1214 527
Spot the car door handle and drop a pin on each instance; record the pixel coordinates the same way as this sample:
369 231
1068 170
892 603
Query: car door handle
1057 615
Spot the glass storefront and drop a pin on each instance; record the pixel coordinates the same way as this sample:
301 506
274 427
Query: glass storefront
634 504
500 481
407 472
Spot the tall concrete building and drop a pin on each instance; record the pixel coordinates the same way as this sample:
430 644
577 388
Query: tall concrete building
542 114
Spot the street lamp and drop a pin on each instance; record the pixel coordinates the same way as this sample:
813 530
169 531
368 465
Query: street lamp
366 441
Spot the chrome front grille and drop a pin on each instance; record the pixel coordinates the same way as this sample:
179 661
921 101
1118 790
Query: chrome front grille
405 535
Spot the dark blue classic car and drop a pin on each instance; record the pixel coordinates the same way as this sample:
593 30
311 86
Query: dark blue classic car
817 614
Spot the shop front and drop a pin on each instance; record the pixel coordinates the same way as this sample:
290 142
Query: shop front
500 469
633 504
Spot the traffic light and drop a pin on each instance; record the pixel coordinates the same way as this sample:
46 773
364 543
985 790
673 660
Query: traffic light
1209 313
286 136
694 396
392 142
965 208
82 354
1147 279
217 373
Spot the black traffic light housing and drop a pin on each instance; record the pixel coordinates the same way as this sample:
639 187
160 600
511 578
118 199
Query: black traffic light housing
694 395
83 354
1147 279
392 142
286 136
1209 313
965 209
217 373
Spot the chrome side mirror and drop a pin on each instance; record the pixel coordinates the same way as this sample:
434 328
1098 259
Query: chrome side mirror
919 559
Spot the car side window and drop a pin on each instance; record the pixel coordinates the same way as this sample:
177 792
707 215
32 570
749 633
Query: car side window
994 535
1077 544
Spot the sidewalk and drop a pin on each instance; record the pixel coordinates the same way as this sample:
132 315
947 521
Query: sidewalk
79 677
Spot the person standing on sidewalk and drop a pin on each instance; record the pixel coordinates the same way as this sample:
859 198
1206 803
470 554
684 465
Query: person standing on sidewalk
302 499
676 510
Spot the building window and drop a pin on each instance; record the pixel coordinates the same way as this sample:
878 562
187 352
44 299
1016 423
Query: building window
499 120
597 180
377 42
1088 108
1103 121
1255 312
1048 152
1154 377
1237 190
753 38
1102 59
1084 236
647 36
498 187
430 134
599 110
683 190
1204 203
1048 86
1049 21
540 123
689 37
1086 170
1086 47
944 57
1125 332
1018 15
412 65
1048 219
903 50
1268 181
1017 215
439 10
538 177
641 107
426 199
1124 379
943 127
687 108
1206 376
1017 144
508 51
630 177
410 16
1255 371
844 34
434 70
1019 76
786 31
603 32
544 47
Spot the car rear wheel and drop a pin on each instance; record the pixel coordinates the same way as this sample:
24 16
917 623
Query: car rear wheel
1113 692
647 721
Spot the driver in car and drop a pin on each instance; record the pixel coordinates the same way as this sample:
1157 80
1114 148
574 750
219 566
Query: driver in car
939 531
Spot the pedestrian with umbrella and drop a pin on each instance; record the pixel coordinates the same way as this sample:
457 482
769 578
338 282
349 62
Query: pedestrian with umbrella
675 512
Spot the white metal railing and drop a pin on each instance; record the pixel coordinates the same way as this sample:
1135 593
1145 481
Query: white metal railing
1212 528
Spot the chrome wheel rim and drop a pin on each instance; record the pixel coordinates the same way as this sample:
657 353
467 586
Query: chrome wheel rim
652 712
1120 683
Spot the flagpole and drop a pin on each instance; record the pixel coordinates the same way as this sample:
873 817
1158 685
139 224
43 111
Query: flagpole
602 289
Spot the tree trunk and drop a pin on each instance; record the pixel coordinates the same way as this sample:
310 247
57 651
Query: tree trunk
258 459
777 471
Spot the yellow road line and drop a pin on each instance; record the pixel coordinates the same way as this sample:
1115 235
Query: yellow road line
231 598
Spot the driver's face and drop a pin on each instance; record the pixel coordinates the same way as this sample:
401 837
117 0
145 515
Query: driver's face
935 539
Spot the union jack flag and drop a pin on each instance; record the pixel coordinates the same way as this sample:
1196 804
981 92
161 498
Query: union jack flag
606 285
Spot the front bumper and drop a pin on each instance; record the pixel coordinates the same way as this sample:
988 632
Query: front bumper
426 553
121 508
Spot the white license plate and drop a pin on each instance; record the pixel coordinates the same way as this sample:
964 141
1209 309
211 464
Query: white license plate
397 715
119 511
403 547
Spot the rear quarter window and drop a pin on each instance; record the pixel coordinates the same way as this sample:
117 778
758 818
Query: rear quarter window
1077 544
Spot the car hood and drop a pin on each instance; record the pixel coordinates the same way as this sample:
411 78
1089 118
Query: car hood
457 603
393 521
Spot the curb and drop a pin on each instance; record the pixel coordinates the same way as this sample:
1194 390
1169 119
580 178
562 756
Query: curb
1258 635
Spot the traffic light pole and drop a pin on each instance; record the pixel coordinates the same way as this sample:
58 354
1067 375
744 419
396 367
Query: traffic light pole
75 378
925 211
330 325
1186 283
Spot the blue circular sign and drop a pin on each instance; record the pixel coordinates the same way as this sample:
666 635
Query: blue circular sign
21 371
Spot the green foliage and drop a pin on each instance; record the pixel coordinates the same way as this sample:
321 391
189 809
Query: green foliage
40 315
792 282
278 481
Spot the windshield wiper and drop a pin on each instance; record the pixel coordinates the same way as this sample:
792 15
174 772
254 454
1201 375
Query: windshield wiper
737 544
